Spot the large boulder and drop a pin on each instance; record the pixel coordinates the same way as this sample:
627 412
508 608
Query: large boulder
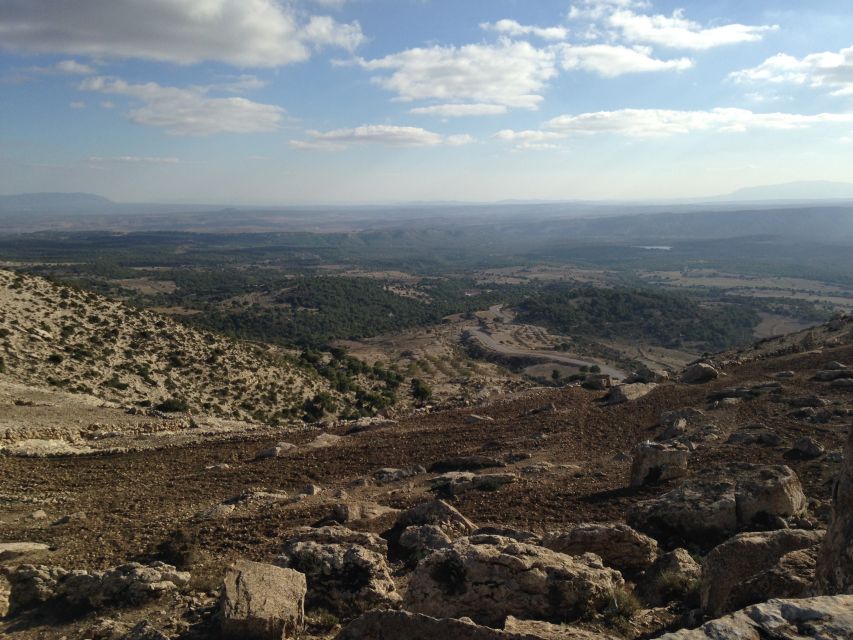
262 601
828 618
418 542
488 578
656 462
702 511
835 563
717 503
628 392
767 491
618 545
748 568
346 570
438 513
698 373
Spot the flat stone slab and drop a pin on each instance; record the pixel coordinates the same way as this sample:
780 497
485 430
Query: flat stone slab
12 550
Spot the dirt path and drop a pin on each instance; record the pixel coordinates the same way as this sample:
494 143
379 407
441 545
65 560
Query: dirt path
549 356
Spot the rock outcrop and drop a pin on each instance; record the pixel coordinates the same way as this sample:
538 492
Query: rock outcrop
709 508
749 568
629 392
698 373
488 578
656 462
346 571
404 625
835 563
262 601
828 618
132 583
618 545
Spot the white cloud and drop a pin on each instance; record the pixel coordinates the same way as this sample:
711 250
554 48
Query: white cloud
459 110
623 19
531 139
514 28
677 32
73 67
77 104
135 160
378 134
331 4
597 9
459 140
829 70
648 123
107 104
511 74
245 33
614 60
189 111
238 84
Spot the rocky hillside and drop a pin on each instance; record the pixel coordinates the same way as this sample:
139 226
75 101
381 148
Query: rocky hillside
76 341
713 505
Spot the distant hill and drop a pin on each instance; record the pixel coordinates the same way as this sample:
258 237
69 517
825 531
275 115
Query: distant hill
80 342
802 191
55 203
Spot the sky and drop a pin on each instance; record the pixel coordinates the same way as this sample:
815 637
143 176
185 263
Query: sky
281 102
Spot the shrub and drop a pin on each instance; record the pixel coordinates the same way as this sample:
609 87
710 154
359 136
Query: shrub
173 405
623 605
672 585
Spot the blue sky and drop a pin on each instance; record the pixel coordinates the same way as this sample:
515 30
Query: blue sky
375 101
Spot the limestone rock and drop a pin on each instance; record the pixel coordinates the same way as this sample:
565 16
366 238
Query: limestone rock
715 504
828 618
629 392
618 545
547 631
465 463
488 578
132 583
346 512
808 447
729 568
766 491
278 451
700 511
5 594
262 601
419 541
656 462
144 630
32 585
458 482
671 577
698 373
346 570
835 563
404 625
389 474
13 550
439 513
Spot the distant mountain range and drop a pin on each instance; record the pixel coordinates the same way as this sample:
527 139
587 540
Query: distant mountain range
804 191
55 203
89 203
